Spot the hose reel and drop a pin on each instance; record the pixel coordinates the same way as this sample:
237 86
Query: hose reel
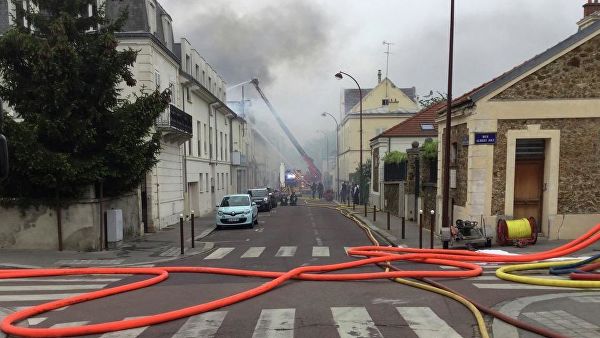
519 232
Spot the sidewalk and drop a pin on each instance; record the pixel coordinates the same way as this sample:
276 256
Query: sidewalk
394 235
151 248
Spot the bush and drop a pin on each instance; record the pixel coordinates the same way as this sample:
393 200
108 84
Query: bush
395 157
430 150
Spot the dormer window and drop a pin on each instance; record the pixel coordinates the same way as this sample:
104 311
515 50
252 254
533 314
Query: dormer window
427 126
152 16
385 102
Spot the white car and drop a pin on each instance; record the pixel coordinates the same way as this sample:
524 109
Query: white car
237 210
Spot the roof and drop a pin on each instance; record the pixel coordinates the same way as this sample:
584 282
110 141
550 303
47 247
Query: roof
522 69
352 96
412 126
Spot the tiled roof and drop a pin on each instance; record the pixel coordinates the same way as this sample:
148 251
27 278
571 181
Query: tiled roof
522 69
413 126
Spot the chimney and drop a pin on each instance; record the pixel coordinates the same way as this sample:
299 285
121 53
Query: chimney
591 14
379 76
591 7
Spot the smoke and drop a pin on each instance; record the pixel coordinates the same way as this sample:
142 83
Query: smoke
241 45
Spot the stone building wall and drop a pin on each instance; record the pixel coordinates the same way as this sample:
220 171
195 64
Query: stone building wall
578 188
574 75
458 134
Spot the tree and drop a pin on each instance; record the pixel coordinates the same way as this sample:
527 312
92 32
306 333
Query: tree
61 74
431 99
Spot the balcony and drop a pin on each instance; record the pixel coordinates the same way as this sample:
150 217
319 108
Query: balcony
175 124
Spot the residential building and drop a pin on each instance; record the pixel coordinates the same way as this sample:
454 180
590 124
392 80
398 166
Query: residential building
383 106
402 137
526 144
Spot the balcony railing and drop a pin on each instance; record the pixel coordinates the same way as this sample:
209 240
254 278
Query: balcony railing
175 120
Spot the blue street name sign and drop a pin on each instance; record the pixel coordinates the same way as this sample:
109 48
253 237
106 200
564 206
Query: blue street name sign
485 138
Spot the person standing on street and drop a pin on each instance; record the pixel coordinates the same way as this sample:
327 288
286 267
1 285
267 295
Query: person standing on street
320 190
343 192
313 188
356 194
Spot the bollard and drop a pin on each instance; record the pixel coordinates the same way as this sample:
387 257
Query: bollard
181 232
192 228
388 220
403 228
365 210
420 229
431 228
374 214
105 231
348 200
353 206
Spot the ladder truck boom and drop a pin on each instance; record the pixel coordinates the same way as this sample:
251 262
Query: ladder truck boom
314 171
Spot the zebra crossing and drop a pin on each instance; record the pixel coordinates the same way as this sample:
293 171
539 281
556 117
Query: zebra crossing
350 322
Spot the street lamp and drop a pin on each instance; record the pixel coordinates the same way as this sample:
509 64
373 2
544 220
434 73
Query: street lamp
340 76
337 154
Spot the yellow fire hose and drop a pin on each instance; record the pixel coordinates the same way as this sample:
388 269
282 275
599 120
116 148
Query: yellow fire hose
476 313
505 273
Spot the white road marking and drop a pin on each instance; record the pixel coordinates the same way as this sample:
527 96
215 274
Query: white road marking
36 320
585 299
219 253
253 252
286 251
19 308
62 280
389 301
26 298
202 325
275 323
89 262
131 333
320 251
354 322
426 324
70 324
61 287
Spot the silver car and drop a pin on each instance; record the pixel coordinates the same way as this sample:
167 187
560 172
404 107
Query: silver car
236 210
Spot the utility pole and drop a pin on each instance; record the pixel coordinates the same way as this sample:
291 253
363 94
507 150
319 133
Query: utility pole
387 64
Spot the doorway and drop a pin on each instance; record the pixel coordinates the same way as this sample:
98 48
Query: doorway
529 179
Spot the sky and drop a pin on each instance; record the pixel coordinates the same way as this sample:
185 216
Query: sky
295 47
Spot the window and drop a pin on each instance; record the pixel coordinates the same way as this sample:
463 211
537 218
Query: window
207 185
201 183
227 179
226 142
188 64
209 83
197 72
221 142
426 126
204 78
198 139
189 146
205 151
157 79
385 102
187 93
152 16
210 140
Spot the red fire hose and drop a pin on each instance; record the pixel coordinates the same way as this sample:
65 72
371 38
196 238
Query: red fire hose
375 254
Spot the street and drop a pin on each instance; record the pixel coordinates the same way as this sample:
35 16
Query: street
286 238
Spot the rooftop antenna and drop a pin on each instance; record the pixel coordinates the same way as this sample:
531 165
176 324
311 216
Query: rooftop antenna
387 64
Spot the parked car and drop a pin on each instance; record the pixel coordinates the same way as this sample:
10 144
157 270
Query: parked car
261 197
237 210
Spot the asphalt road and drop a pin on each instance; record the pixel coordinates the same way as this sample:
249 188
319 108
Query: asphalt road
289 237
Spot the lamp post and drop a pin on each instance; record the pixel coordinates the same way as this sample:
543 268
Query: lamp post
339 76
337 154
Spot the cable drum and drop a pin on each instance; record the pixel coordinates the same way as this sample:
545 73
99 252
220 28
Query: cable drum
522 231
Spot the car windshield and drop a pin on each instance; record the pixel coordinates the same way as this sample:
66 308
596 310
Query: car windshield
258 193
235 201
